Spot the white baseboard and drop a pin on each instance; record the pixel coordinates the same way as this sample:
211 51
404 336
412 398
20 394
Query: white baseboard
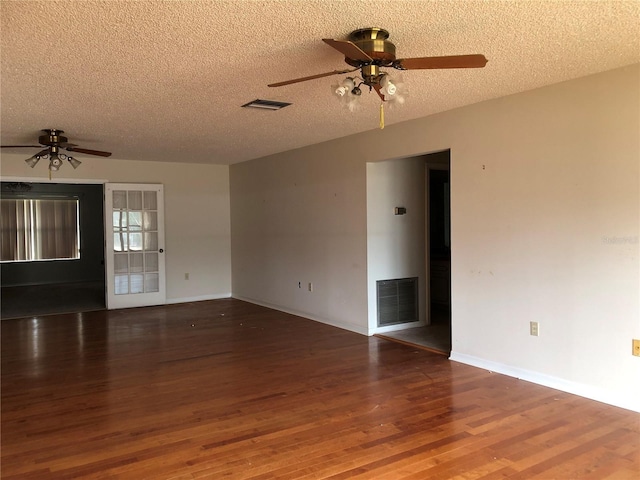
587 391
345 326
215 296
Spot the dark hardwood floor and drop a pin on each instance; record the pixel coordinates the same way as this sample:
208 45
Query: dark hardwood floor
31 300
226 389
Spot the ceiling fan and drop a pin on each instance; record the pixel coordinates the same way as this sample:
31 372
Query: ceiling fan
54 141
369 50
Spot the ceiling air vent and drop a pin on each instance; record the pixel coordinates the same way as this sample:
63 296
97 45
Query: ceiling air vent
266 104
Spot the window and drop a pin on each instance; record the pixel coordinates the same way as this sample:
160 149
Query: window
40 229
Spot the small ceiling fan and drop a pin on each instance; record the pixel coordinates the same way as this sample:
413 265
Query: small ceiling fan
54 142
369 50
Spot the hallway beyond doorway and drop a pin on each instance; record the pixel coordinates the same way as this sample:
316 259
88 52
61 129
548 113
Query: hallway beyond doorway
435 337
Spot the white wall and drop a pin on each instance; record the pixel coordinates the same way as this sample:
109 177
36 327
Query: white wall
197 225
545 224
396 244
301 218
537 190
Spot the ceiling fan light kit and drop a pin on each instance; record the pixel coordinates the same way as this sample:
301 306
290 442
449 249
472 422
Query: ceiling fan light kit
75 163
369 50
54 141
33 160
393 90
347 93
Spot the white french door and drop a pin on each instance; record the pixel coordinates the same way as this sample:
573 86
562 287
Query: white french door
134 226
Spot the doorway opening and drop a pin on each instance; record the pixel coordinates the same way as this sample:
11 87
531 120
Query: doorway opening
46 285
435 336
438 236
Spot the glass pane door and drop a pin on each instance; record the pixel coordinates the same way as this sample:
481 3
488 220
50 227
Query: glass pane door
135 257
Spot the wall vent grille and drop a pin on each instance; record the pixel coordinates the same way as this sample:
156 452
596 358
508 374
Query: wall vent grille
397 301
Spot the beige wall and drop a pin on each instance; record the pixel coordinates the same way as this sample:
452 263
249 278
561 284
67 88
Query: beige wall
197 227
545 224
300 218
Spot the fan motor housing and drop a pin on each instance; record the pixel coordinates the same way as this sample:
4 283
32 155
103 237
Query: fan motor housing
52 137
373 41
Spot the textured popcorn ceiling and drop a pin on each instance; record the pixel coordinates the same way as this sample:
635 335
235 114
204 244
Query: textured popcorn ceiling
164 80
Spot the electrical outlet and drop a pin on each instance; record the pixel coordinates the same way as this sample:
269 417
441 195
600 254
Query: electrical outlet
534 329
310 287
636 347
299 284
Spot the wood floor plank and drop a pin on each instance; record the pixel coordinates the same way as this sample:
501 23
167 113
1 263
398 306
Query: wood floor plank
227 389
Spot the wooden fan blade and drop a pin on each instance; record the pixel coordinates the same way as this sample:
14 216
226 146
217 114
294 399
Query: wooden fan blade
454 61
312 77
88 152
377 88
20 146
348 49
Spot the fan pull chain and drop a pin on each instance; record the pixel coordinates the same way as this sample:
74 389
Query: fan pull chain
381 116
